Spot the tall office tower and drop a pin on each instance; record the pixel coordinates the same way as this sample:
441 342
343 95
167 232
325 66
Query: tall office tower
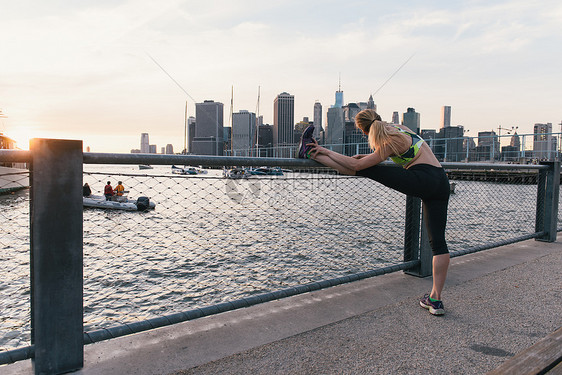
371 103
144 144
151 149
339 99
395 118
488 146
515 141
450 142
169 149
445 116
544 144
265 141
350 111
317 120
339 96
336 128
190 134
283 120
243 132
411 119
209 131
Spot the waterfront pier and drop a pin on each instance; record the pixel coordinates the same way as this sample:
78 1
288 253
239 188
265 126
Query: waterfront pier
499 302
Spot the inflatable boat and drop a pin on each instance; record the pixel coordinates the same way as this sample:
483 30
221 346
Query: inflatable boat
119 203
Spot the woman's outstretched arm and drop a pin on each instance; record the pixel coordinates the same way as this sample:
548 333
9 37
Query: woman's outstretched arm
348 163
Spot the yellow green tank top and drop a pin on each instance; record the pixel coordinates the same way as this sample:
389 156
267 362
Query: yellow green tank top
410 153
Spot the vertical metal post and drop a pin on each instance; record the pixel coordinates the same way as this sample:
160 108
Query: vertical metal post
412 229
413 247
56 255
548 191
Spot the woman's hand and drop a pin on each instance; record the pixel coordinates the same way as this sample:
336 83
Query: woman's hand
317 149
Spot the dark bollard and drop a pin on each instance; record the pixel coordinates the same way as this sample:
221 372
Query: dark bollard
548 191
414 248
56 255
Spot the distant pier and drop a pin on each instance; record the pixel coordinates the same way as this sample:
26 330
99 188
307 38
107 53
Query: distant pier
502 176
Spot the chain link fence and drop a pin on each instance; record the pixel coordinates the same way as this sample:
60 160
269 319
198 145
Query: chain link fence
212 239
14 255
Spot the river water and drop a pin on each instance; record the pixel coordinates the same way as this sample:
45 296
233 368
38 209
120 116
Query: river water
211 239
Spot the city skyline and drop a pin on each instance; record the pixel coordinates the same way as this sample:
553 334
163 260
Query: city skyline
88 71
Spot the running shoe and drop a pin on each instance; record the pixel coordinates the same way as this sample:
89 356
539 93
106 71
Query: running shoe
307 137
434 307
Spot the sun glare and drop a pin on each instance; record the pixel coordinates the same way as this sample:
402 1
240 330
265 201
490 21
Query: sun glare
21 136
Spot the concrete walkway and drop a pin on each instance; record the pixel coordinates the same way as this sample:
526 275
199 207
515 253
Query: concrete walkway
498 302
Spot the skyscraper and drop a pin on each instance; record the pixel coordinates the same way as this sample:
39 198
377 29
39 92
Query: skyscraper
445 116
371 103
412 120
488 146
515 141
336 128
190 134
317 119
144 144
544 144
209 131
283 120
395 118
335 134
243 132
339 96
339 99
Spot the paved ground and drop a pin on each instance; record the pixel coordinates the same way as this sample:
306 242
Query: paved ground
498 303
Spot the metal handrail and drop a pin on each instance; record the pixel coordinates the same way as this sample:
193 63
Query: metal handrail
219 161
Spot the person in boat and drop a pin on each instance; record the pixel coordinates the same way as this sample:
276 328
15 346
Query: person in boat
421 176
108 191
119 189
86 191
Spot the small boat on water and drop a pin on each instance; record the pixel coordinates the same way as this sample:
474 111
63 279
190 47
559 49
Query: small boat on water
13 176
119 203
268 171
236 173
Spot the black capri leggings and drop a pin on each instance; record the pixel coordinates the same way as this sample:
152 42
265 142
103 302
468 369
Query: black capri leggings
424 181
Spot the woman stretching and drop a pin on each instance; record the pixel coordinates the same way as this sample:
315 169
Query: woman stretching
421 176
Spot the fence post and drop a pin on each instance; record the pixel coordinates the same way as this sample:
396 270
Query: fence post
56 224
413 247
548 191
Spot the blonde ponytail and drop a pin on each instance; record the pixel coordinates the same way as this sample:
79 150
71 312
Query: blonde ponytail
380 136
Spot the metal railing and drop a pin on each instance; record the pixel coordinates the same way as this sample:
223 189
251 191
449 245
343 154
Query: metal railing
213 244
507 148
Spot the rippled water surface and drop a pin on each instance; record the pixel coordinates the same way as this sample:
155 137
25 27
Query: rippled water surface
211 239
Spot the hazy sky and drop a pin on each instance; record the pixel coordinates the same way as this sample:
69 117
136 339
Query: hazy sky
82 69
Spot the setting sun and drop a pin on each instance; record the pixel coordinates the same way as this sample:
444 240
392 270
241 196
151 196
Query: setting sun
20 135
